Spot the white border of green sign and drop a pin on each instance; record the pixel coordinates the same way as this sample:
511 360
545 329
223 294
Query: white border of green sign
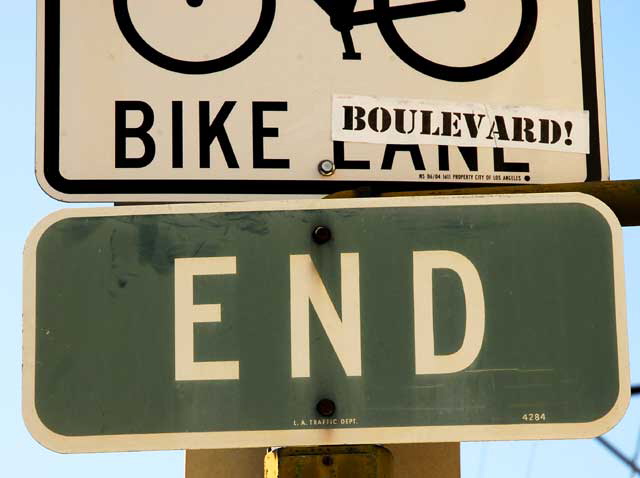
242 439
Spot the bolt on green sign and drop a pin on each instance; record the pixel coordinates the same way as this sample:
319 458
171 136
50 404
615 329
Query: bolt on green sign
324 322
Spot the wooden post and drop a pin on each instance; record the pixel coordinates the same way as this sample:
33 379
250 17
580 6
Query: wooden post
431 460
241 463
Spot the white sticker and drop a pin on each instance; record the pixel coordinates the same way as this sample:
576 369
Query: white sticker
366 119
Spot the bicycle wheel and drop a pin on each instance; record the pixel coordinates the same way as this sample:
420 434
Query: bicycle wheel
201 67
489 68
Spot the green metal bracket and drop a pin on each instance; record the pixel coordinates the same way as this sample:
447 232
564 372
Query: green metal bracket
357 461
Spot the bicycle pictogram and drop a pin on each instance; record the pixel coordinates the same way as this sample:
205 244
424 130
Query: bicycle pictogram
343 17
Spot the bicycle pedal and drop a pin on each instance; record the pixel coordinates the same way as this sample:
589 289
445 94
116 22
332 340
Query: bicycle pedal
352 56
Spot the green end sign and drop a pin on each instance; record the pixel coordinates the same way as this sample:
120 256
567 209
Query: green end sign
418 320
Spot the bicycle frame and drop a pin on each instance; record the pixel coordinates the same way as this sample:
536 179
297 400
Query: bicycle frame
343 16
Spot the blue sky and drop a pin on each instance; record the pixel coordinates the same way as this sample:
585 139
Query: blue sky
24 204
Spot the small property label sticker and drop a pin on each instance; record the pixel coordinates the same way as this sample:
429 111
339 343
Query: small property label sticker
366 119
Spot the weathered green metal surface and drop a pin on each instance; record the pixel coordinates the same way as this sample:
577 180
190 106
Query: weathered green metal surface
104 321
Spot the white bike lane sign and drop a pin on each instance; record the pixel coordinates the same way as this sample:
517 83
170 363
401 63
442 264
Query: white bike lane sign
202 100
